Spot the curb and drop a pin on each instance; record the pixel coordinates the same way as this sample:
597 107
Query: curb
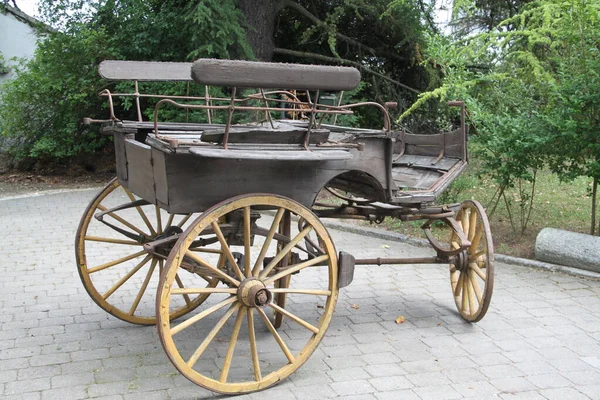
523 262
47 193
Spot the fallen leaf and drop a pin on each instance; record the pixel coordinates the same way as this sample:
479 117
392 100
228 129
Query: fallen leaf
355 306
385 246
400 320
320 306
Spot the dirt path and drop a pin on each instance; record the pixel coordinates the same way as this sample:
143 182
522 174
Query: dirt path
18 184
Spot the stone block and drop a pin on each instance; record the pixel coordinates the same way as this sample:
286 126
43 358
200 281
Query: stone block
571 249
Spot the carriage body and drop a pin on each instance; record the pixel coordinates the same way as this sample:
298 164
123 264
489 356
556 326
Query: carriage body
207 187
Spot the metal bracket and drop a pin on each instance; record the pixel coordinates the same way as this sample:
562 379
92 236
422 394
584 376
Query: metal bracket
345 269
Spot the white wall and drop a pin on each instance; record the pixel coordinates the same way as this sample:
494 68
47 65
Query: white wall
17 39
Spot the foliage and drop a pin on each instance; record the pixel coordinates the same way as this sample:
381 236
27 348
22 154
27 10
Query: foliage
45 105
532 88
3 67
385 39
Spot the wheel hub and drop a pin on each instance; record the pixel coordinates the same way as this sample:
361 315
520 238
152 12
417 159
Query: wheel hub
461 261
253 293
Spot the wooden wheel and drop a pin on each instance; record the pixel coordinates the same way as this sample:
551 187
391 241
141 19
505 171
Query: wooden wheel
116 270
230 345
472 271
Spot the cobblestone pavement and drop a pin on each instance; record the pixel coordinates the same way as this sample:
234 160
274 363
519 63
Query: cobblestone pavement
539 340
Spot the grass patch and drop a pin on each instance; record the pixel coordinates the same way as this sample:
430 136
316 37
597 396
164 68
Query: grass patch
562 205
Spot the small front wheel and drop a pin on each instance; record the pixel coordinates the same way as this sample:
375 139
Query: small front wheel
472 271
230 345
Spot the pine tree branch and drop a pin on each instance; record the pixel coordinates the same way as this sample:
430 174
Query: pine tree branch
303 11
336 60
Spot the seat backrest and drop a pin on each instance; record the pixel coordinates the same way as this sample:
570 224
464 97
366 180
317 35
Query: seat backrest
145 70
266 75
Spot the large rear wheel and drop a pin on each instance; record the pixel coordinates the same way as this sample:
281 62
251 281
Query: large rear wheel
230 345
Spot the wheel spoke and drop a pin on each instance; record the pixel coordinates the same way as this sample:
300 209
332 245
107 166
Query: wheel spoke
170 220
294 268
115 262
180 284
109 240
464 302
475 257
126 277
476 287
206 290
275 334
286 250
185 324
294 318
472 225
247 239
159 227
267 242
123 221
205 250
140 211
138 298
215 270
211 335
477 270
227 250
476 239
253 350
232 343
458 287
470 293
465 222
314 292
184 220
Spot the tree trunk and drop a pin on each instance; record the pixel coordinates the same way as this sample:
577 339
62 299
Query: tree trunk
260 21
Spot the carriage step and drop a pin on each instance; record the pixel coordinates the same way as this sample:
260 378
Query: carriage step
346 269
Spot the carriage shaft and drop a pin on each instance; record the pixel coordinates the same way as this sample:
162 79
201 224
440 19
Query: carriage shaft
411 260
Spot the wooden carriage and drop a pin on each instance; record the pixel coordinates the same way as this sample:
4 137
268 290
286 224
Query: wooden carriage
225 219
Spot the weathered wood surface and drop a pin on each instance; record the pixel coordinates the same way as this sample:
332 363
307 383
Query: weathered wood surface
428 162
431 145
140 175
295 136
430 194
145 70
266 75
272 155
181 182
415 178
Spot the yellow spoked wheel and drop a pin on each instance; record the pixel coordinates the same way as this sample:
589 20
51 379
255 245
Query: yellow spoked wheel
472 271
230 345
117 271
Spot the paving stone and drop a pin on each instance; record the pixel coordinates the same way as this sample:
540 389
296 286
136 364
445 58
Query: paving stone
29 385
71 393
360 386
444 392
397 394
391 383
563 393
348 374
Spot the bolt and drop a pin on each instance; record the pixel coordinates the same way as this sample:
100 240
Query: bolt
261 297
